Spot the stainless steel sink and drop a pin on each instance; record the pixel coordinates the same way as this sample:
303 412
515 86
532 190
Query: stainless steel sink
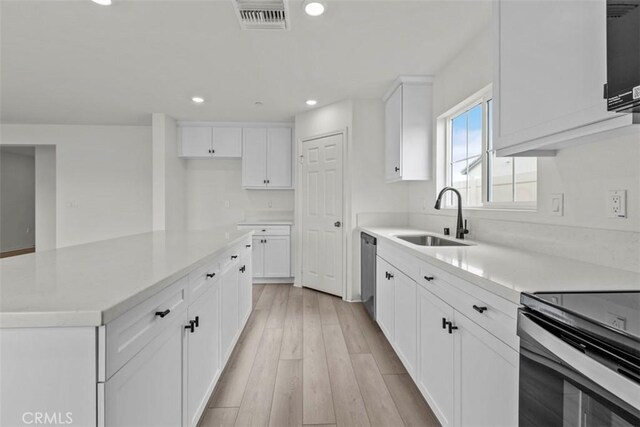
428 240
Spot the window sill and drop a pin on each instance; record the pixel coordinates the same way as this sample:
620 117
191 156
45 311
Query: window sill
493 208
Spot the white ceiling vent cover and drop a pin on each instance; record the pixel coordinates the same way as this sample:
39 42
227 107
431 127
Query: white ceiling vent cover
262 14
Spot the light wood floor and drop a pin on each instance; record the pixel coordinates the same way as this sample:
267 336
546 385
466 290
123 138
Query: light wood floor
309 358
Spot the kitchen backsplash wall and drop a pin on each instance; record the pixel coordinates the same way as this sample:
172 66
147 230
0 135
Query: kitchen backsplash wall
215 196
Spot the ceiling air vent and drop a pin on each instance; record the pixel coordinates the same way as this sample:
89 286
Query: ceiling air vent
262 14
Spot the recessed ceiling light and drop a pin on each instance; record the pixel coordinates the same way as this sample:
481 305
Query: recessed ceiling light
311 102
102 2
198 99
314 7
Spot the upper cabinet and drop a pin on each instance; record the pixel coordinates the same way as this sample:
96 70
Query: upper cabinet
209 141
267 158
550 69
408 130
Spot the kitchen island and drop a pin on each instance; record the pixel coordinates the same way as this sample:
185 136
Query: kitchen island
128 331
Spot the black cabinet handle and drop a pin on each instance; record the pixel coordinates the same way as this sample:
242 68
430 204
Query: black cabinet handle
210 275
213 151
264 181
247 246
429 278
163 313
479 309
234 256
191 326
390 276
268 181
197 321
451 327
397 169
243 268
264 231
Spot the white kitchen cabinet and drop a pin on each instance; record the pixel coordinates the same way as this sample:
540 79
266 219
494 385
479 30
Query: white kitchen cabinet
210 142
408 130
229 309
406 321
267 158
385 296
245 284
277 256
271 252
487 377
550 68
148 389
436 356
203 351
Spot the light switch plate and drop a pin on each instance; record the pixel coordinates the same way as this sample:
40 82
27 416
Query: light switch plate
557 204
617 203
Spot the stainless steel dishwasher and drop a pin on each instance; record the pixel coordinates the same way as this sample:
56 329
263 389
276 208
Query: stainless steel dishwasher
368 272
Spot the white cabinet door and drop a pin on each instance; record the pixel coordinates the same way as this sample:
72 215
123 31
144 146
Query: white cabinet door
277 256
254 158
385 297
257 256
147 391
550 71
227 142
246 287
229 310
279 158
393 135
436 356
203 351
406 321
487 381
196 141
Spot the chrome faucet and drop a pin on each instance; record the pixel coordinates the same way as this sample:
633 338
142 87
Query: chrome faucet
461 229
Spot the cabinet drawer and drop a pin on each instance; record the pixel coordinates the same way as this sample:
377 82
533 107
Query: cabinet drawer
201 279
267 230
487 310
398 258
128 334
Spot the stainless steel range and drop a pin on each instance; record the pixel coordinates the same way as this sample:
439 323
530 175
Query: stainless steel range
579 359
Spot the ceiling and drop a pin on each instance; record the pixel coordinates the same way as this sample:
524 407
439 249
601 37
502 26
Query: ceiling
74 62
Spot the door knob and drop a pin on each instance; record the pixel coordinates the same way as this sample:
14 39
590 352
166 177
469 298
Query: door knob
337 224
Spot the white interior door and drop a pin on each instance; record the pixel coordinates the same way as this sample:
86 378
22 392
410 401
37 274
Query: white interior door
322 240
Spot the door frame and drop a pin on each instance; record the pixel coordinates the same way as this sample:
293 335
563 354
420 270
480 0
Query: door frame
346 205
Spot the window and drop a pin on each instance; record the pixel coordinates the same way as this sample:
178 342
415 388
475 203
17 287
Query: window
472 167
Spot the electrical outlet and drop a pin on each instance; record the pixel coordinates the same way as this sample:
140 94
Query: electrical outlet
617 321
557 204
617 203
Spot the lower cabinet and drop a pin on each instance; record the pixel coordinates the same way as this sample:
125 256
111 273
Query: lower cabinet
436 354
147 390
466 373
170 380
203 351
271 249
229 309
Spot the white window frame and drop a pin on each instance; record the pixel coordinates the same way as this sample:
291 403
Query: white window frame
478 98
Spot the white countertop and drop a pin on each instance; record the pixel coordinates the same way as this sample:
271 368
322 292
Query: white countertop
91 284
507 272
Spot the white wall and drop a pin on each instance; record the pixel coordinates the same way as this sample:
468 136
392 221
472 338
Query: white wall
583 173
365 189
17 199
169 176
213 182
45 197
103 178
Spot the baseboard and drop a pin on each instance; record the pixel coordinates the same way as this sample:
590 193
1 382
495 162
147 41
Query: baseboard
17 252
271 280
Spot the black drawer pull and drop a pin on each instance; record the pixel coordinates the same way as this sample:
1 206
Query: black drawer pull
452 328
247 246
191 326
234 256
444 323
210 275
197 321
479 309
390 276
429 278
163 313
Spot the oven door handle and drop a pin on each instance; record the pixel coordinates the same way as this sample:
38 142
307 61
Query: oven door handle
615 383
